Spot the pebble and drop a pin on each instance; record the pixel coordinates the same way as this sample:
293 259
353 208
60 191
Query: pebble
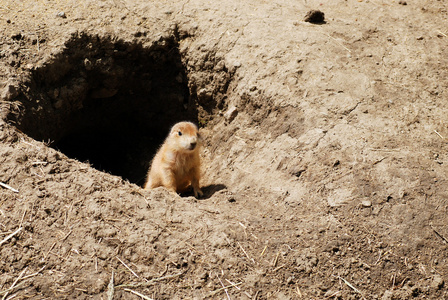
387 295
366 203
231 113
9 92
61 14
437 282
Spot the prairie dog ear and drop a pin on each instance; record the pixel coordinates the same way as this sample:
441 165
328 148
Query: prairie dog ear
175 131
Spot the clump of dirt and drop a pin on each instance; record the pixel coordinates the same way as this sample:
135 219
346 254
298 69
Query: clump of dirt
315 17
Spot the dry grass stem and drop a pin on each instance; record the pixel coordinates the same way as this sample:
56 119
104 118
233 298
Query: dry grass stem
275 261
278 268
439 235
150 282
299 293
14 283
10 236
66 236
223 286
247 255
233 283
262 252
23 217
51 248
351 286
127 267
34 274
138 294
8 187
211 294
110 287
338 42
439 134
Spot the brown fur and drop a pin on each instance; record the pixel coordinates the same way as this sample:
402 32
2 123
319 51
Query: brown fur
177 164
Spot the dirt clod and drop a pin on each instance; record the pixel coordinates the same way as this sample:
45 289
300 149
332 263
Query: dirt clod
315 17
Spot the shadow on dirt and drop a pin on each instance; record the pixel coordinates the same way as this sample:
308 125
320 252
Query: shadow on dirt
208 191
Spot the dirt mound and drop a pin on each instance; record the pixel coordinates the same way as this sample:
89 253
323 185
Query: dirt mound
324 159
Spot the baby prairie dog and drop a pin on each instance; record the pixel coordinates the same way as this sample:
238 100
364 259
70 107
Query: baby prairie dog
176 165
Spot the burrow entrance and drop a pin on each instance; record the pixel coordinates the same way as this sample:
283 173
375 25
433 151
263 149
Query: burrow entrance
108 102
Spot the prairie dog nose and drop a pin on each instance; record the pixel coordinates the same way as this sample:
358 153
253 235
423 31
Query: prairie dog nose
193 144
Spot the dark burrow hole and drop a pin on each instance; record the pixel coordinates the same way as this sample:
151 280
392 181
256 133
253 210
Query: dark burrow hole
108 102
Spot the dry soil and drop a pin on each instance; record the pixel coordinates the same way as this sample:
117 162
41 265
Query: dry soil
325 156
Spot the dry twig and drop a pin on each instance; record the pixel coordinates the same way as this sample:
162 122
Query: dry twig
439 134
14 283
110 287
150 282
127 267
251 259
233 283
439 235
8 187
138 294
34 274
211 294
223 286
299 293
10 236
351 286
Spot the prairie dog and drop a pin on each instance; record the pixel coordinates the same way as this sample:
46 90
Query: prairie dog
176 165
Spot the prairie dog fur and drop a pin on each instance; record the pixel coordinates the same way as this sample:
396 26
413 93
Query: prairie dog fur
176 165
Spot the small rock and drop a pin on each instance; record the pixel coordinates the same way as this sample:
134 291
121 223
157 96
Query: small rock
220 66
231 113
315 17
9 92
298 171
330 293
402 2
332 246
437 282
61 14
231 199
387 295
366 203
204 94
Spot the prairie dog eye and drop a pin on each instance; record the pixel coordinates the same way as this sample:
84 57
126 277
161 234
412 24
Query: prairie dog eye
179 133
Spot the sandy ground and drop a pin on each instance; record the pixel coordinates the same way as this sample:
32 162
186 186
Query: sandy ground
325 154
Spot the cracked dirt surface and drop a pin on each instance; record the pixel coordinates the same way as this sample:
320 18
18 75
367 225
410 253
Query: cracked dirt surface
324 159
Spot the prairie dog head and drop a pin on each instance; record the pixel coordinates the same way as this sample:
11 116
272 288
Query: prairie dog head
184 136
